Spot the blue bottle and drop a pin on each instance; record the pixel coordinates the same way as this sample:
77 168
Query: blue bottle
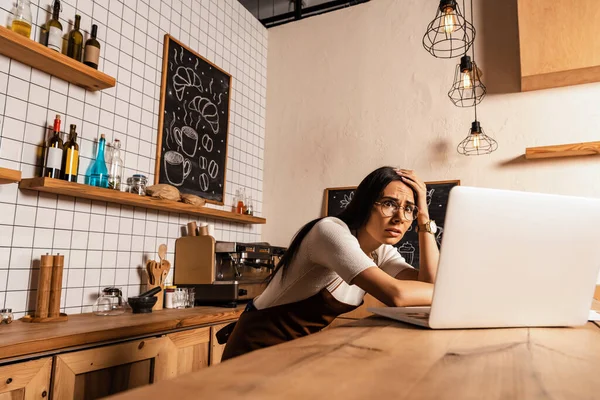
99 172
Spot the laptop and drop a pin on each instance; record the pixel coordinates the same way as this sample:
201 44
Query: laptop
512 259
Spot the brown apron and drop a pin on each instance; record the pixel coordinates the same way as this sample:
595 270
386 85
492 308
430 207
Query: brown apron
257 329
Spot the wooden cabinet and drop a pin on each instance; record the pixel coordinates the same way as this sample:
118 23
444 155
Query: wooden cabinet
189 349
26 381
559 43
216 349
103 371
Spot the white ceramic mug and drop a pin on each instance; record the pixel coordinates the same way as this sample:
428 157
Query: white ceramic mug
177 167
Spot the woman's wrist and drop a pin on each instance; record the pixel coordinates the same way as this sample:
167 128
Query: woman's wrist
423 217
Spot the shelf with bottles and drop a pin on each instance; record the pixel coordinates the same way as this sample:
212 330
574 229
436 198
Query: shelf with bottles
75 68
9 176
61 166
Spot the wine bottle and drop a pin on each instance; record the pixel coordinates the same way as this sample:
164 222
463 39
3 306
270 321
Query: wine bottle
75 42
92 49
54 37
99 172
54 152
70 166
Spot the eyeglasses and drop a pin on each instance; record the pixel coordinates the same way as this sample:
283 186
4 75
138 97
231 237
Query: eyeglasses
389 208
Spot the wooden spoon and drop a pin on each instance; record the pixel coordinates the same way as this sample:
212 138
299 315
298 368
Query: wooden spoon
162 252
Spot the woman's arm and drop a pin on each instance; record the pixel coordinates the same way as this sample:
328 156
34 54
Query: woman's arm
429 253
394 292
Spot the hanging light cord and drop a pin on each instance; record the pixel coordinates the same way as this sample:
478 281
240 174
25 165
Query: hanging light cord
473 49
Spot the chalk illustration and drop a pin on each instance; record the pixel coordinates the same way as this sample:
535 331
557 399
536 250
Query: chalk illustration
208 110
438 236
430 196
177 168
184 78
213 169
207 143
170 140
203 181
187 139
407 250
346 200
202 162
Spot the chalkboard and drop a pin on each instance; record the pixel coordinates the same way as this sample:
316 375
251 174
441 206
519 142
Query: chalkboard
337 199
437 200
193 123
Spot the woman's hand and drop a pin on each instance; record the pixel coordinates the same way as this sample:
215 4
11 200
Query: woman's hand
411 179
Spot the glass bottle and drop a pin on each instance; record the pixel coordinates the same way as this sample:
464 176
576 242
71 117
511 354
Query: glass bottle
99 172
92 49
54 38
240 202
70 166
116 166
21 22
75 41
249 206
54 152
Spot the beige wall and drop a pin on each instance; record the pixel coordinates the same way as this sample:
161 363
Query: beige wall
352 90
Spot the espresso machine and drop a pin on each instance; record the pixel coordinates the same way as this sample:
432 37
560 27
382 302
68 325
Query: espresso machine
223 273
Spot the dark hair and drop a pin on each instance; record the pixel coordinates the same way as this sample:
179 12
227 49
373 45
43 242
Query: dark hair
355 215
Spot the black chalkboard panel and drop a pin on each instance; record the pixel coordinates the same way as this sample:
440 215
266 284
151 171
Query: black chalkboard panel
337 199
437 199
193 123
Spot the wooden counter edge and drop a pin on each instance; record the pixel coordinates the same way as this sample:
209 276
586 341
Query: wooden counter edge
55 344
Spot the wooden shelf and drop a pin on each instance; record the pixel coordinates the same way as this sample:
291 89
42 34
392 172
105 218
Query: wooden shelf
58 186
52 62
563 150
9 175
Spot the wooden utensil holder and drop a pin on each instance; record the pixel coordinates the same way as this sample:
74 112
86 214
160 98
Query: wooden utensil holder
49 291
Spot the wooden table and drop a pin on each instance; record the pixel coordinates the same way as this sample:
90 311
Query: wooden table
22 339
376 358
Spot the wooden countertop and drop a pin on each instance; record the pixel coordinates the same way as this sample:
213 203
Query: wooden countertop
21 338
381 358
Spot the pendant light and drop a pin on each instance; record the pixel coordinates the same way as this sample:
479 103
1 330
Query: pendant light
477 142
467 89
449 34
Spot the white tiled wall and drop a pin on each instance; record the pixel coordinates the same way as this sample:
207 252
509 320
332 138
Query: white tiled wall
106 244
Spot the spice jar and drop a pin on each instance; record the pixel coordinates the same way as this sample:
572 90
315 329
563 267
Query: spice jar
169 296
7 315
137 184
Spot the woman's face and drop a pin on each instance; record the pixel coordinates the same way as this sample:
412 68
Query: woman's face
389 230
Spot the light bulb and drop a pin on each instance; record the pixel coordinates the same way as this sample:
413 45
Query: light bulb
475 140
467 82
450 20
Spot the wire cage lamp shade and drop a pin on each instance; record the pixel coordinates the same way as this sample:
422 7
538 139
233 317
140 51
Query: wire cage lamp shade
467 89
449 34
477 142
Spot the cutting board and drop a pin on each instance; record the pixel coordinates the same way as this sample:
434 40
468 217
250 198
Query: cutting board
194 260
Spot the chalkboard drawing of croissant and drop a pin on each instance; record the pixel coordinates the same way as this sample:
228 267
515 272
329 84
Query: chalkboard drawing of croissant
184 78
346 200
208 110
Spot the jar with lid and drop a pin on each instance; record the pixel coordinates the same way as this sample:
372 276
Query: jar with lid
110 302
137 184
169 296
6 315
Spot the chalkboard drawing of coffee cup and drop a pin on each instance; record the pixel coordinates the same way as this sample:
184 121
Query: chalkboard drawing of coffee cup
187 139
407 251
177 168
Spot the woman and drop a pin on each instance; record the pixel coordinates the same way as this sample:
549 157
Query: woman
332 262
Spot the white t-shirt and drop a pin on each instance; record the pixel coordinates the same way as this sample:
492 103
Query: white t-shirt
328 257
